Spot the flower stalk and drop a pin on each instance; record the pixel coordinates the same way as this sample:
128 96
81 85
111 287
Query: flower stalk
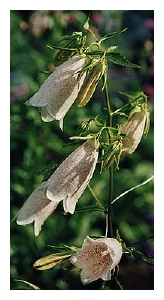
109 226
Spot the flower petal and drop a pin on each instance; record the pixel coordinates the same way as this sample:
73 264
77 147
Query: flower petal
94 259
46 117
97 258
42 216
59 90
71 178
37 208
133 128
115 250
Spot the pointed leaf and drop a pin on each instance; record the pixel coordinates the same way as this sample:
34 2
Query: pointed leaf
119 284
142 256
33 286
118 59
112 34
134 95
86 24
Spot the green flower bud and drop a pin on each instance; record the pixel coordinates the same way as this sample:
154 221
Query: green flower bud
51 261
89 85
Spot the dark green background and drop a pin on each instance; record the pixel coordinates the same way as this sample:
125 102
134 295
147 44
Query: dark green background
35 145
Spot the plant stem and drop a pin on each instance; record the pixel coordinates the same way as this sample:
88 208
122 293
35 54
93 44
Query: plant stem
95 197
108 105
109 227
110 231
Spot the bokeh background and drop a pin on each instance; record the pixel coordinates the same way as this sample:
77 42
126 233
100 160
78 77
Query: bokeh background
36 145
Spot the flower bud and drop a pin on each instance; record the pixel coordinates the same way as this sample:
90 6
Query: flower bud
60 89
67 183
97 258
50 261
133 130
89 85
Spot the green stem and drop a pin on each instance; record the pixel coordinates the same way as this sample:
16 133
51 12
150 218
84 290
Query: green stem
110 227
108 105
95 197
109 231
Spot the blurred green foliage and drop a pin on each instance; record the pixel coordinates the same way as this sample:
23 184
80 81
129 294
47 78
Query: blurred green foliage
36 145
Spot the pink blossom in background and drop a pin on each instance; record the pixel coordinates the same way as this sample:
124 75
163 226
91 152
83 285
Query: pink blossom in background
149 23
149 90
18 92
97 18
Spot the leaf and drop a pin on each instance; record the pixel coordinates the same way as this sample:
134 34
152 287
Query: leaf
86 24
33 286
142 256
119 284
118 59
47 171
104 288
133 95
64 248
98 53
98 123
91 207
112 34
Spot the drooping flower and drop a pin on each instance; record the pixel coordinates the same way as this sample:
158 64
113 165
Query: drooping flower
67 183
133 129
60 89
97 258
37 209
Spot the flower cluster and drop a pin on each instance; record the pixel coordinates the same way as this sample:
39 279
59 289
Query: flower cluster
75 78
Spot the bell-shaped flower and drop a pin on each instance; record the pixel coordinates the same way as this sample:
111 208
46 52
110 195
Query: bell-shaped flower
97 258
37 208
60 89
67 183
133 129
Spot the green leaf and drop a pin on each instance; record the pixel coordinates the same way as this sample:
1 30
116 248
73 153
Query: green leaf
104 288
64 248
134 95
91 207
111 49
119 284
112 34
86 24
48 170
98 53
142 256
118 59
33 286
98 123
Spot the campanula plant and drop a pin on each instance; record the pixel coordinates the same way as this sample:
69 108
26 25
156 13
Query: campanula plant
80 64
